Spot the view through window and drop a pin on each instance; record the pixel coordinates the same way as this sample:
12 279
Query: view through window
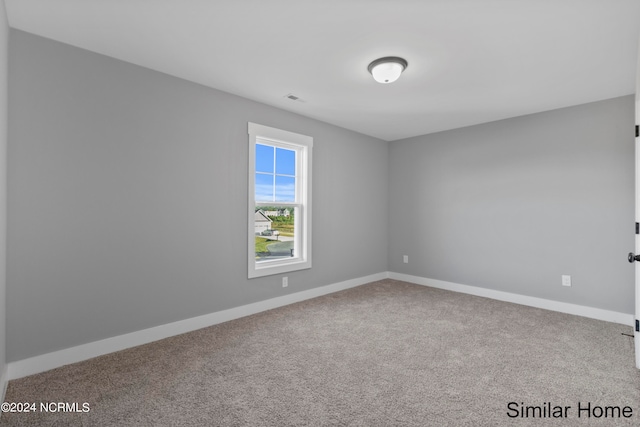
279 201
275 182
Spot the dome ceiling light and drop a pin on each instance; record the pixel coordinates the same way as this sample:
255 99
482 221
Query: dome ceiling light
388 69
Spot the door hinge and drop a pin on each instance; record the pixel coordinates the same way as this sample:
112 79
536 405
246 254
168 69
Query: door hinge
637 227
637 131
637 325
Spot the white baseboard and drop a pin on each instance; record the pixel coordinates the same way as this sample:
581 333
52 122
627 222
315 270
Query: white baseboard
563 307
45 362
4 382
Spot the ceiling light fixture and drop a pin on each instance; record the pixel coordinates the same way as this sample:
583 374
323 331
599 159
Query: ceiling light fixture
387 69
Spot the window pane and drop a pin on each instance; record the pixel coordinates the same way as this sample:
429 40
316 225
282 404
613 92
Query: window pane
264 187
285 161
285 189
275 233
264 158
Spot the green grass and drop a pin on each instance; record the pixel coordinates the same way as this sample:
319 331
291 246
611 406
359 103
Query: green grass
261 244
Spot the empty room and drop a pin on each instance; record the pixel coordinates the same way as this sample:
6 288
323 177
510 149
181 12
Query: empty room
316 213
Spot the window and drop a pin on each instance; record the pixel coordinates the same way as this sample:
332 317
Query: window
279 201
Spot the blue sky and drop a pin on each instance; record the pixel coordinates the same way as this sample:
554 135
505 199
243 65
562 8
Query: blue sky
275 174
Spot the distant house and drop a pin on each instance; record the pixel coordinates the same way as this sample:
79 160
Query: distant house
279 212
261 221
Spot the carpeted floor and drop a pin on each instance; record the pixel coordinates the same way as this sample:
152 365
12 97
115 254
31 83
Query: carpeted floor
384 354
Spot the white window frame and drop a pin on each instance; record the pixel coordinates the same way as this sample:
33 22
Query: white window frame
302 145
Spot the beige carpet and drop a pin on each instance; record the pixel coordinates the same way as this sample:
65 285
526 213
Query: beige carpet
384 354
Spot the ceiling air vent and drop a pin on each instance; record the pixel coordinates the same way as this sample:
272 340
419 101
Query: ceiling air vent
293 97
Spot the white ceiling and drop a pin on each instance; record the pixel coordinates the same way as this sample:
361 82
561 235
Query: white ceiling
470 61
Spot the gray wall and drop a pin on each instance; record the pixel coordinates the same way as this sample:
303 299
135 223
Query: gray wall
514 204
4 49
127 199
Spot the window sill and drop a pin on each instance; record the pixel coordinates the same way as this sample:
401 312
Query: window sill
270 268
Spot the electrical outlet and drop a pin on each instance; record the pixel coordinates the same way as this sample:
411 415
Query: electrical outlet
566 280
405 259
285 282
